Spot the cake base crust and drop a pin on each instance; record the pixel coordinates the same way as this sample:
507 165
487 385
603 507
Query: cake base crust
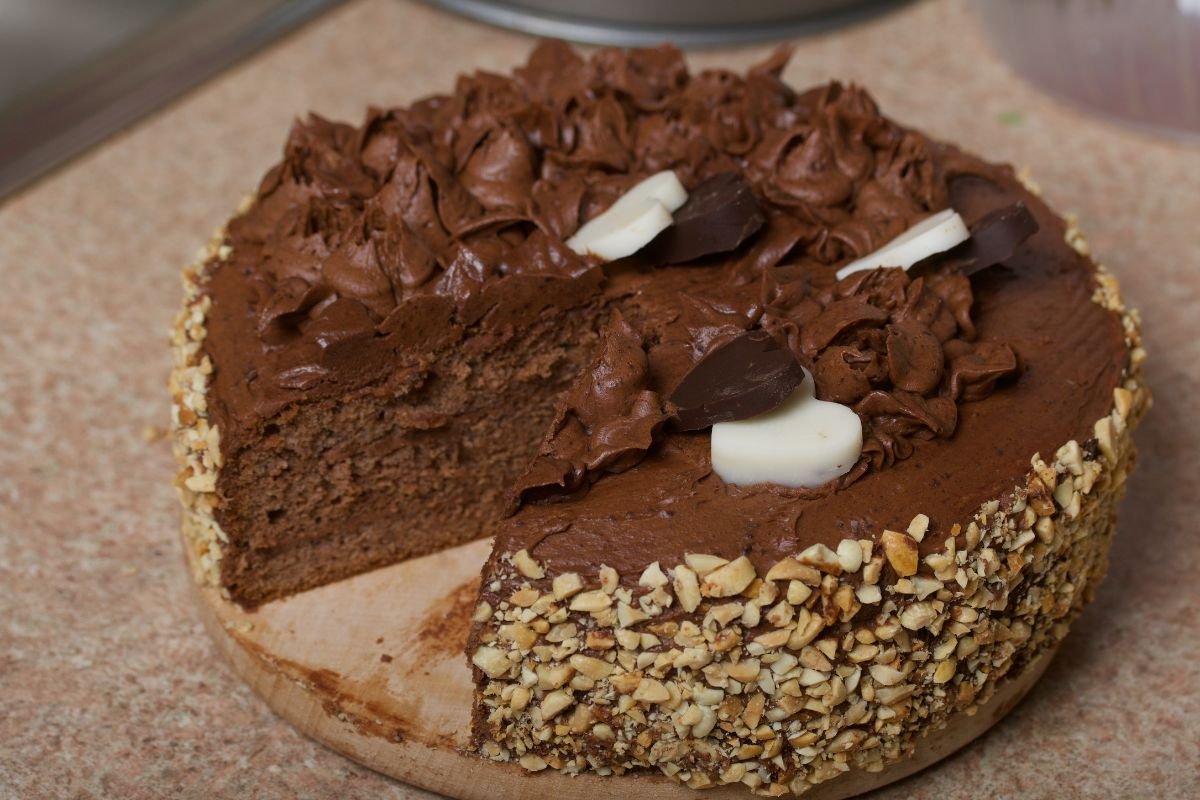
407 716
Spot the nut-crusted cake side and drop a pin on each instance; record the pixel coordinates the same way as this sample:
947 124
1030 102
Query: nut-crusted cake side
195 440
777 680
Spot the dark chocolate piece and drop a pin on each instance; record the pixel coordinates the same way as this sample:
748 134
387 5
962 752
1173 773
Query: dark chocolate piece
748 375
996 236
720 214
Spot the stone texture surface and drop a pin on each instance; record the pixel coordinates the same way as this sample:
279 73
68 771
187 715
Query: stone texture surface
108 686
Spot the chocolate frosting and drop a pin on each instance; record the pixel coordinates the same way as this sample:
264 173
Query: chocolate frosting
605 423
368 249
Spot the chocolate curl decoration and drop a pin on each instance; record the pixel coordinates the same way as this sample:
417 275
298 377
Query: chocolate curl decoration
746 376
720 214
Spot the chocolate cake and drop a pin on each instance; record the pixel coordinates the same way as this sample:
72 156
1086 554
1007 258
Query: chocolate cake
402 342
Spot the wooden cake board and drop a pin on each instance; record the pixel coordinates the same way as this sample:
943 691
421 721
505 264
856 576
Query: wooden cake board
373 667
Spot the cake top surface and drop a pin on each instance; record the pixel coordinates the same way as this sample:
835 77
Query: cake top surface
445 222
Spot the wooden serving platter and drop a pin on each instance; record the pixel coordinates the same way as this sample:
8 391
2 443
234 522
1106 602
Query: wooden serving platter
373 667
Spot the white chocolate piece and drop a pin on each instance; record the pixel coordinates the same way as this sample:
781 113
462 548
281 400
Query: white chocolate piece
662 186
802 444
633 221
934 234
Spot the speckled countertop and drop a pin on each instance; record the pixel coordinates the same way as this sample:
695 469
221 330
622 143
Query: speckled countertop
108 685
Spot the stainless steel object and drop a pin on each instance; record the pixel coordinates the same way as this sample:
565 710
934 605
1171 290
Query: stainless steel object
688 23
69 102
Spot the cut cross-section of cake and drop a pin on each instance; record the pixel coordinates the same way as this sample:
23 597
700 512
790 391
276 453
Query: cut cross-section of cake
403 341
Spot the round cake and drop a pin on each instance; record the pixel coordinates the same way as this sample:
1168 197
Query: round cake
800 433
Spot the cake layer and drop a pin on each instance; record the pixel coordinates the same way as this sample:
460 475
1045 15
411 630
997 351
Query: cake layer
393 470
